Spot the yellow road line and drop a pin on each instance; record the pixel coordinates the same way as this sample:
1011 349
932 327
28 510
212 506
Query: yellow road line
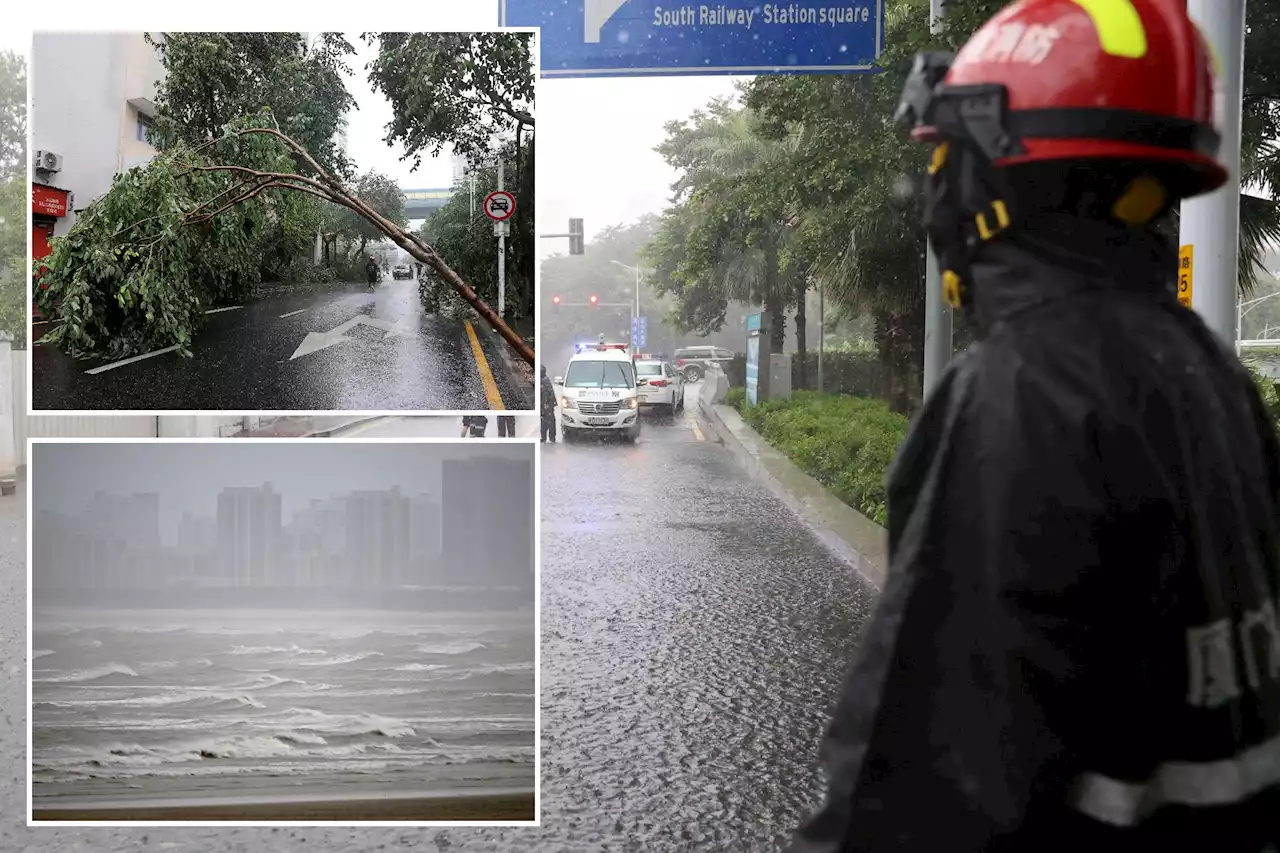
486 375
697 432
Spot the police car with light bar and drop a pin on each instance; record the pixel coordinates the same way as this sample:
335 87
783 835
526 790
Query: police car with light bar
600 392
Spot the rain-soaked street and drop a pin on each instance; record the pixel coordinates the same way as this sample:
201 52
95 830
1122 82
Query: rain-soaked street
340 348
693 639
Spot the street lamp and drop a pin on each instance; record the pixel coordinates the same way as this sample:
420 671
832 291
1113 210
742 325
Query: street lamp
638 273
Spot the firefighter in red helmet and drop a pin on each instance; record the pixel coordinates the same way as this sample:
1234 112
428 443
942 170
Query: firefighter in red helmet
1076 646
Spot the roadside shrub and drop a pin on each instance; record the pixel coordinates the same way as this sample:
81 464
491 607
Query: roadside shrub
1268 388
736 397
844 442
301 271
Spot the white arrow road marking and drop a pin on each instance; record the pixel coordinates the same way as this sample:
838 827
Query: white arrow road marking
595 13
291 313
315 341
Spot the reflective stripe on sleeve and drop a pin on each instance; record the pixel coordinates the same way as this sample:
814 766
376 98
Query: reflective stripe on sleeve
1179 783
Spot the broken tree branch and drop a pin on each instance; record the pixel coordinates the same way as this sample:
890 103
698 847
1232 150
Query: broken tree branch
331 189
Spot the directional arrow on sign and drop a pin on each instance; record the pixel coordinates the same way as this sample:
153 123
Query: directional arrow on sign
316 341
594 15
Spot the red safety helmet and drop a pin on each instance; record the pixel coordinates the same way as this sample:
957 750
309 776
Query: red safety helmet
1061 80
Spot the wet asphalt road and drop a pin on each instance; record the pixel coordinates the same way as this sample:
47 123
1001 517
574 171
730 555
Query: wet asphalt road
242 361
690 654
433 426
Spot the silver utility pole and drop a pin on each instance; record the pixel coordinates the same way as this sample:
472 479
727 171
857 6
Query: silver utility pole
1210 224
937 313
502 254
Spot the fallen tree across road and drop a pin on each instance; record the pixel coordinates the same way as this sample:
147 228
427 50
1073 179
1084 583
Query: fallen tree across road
123 282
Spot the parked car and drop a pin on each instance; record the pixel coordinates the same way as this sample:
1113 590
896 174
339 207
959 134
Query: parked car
665 389
692 362
401 271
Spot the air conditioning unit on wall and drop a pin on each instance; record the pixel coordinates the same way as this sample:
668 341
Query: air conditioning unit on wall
48 161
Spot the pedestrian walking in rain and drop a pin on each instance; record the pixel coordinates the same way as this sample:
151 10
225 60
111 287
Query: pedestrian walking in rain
1076 647
548 413
506 426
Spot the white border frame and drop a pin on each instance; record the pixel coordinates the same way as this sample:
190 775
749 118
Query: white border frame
537 272
537 636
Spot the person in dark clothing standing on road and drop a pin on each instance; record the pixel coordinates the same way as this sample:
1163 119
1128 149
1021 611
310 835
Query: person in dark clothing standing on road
506 426
1076 647
548 413
371 271
474 426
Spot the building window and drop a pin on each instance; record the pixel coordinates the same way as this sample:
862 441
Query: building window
144 129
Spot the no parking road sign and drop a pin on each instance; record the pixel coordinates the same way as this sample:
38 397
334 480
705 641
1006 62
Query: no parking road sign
499 206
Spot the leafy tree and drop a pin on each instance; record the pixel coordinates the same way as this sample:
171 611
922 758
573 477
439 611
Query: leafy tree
215 78
469 242
465 89
381 193
13 113
15 199
730 236
473 91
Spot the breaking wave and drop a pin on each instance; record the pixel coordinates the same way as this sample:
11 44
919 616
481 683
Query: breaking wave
92 674
456 647
340 659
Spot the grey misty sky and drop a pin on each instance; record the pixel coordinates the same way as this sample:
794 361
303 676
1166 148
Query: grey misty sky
188 477
595 147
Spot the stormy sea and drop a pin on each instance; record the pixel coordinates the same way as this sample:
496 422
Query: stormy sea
160 706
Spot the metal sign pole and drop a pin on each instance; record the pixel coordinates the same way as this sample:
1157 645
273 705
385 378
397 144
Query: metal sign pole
937 313
1211 223
502 256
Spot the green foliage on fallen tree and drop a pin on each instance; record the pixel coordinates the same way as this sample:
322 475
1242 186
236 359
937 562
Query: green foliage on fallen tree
168 241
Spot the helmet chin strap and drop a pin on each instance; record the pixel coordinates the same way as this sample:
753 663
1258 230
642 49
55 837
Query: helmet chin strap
968 203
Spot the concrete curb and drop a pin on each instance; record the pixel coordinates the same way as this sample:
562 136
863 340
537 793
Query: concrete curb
843 530
508 355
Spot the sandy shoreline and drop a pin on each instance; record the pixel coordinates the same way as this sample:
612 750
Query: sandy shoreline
483 807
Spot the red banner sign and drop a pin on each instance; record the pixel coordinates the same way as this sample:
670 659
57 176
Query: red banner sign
49 201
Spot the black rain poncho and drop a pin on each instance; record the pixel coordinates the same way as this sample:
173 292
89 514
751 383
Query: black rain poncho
1076 647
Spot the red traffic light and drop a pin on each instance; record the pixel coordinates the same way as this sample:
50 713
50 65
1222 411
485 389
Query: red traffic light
593 299
555 300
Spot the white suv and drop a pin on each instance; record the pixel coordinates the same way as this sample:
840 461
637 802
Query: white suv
600 393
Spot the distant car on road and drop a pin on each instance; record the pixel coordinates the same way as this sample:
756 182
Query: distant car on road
693 362
401 271
665 389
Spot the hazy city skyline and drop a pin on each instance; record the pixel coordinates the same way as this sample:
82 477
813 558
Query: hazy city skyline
189 476
475 529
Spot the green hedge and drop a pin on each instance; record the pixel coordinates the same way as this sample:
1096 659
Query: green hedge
844 442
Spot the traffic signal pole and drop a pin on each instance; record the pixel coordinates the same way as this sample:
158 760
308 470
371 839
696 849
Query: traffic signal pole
1210 224
937 313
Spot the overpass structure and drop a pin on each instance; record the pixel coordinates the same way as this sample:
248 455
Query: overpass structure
423 203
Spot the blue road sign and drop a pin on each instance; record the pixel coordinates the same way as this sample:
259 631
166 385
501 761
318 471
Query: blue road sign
639 38
638 332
